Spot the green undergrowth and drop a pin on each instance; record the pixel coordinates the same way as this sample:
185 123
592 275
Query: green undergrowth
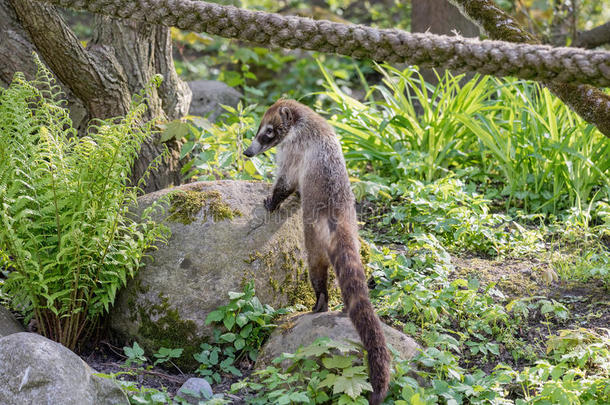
473 348
242 326
474 339
239 329
519 144
458 216
326 371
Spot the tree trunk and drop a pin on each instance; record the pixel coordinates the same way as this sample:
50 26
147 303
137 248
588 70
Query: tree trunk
16 50
440 17
144 50
15 46
103 77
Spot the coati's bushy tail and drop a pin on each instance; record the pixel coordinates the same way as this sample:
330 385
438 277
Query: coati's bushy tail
345 258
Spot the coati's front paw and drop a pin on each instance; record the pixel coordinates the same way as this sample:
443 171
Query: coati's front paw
269 205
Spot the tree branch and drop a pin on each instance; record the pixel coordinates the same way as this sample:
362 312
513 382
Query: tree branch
593 38
590 103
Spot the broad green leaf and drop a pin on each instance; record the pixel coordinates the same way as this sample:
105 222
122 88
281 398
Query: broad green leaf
337 361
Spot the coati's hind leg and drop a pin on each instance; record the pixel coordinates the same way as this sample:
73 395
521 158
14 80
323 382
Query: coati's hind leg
318 262
318 274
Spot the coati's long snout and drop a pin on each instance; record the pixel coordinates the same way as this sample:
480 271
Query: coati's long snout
310 161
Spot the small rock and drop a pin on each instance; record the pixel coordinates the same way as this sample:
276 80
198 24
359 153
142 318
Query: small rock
36 370
304 329
8 323
195 390
208 95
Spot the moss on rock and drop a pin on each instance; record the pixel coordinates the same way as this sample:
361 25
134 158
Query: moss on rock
162 326
365 253
296 285
185 205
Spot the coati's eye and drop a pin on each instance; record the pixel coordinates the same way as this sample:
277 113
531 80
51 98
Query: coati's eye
269 132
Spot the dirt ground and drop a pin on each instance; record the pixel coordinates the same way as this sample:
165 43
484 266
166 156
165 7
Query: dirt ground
107 359
588 303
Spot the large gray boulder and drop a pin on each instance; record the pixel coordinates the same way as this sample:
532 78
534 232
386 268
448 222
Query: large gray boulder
222 237
303 329
8 323
36 370
208 95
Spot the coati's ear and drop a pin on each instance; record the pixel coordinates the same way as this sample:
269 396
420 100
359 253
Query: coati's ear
286 116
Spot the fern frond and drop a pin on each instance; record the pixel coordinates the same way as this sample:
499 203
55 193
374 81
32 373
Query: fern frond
63 207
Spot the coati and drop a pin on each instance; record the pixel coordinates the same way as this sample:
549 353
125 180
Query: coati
310 162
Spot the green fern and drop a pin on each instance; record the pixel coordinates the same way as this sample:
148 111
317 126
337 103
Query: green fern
64 203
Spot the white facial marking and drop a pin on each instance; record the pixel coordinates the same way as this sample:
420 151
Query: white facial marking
267 130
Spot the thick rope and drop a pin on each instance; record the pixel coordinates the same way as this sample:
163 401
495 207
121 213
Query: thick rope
498 58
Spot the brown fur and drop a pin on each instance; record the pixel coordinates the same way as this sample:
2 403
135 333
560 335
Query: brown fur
310 162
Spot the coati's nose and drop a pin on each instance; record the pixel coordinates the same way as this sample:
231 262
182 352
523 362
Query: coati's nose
248 152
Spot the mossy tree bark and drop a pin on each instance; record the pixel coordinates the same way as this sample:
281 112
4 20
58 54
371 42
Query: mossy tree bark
103 76
594 37
592 104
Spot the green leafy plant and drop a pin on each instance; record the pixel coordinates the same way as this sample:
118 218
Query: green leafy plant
139 395
214 361
522 307
242 327
64 203
417 291
513 134
130 379
459 321
135 355
247 322
393 137
543 149
448 211
166 355
325 371
216 150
